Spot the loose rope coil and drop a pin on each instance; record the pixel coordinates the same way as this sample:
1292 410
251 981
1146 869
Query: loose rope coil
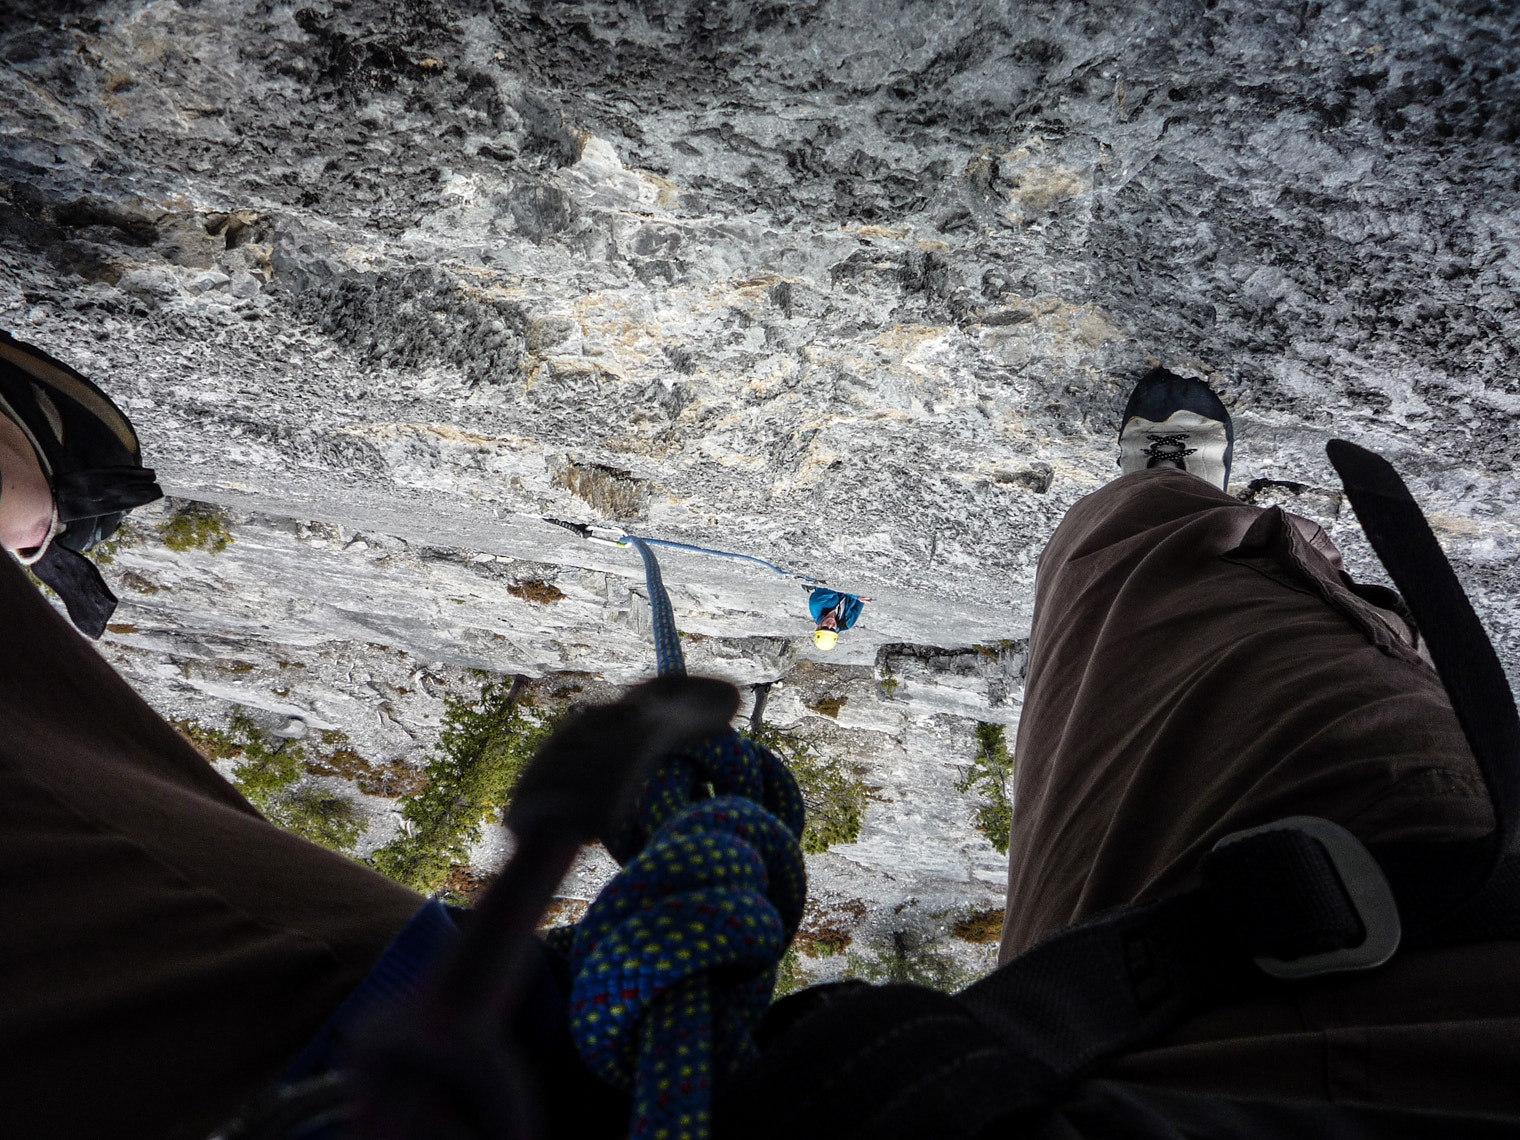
720 887
675 961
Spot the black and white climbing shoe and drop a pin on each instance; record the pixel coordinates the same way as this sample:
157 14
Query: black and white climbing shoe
88 451
1174 421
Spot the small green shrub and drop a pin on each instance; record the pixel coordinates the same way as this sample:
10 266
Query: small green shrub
212 743
322 818
988 778
196 526
835 797
483 749
264 773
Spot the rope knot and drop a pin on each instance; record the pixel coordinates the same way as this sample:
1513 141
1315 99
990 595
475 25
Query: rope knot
675 961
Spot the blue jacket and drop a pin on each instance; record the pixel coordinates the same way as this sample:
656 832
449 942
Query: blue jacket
847 607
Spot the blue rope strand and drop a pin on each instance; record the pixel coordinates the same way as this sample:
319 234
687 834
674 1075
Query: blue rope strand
725 554
667 644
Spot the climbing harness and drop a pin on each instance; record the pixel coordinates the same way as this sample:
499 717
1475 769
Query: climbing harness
615 536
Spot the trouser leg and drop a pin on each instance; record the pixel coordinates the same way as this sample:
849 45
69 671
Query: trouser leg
1197 667
1181 687
164 949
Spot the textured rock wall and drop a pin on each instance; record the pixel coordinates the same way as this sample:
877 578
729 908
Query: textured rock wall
858 287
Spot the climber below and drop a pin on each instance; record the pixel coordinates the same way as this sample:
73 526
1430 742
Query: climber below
834 612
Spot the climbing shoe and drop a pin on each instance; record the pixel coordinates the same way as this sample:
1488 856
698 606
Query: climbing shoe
88 451
1174 421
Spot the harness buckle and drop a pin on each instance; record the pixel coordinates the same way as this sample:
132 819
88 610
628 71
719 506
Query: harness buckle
1365 886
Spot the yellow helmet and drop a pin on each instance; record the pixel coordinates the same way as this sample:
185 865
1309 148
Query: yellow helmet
825 639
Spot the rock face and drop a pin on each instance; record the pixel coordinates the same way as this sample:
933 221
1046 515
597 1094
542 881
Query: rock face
854 287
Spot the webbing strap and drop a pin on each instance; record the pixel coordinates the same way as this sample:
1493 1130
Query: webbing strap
1429 879
1090 991
1279 890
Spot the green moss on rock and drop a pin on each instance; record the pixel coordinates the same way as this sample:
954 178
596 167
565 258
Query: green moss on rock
828 706
104 552
269 775
789 975
196 526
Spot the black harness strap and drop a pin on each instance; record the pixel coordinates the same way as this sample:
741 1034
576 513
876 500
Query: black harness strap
1463 655
1093 990
1430 879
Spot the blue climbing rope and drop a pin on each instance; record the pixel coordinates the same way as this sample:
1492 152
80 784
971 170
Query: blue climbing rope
619 537
726 554
675 961
669 660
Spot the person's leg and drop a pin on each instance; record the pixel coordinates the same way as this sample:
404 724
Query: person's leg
1179 690
1198 666
165 950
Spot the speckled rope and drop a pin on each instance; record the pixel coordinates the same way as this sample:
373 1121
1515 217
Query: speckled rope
720 886
713 879
731 765
667 644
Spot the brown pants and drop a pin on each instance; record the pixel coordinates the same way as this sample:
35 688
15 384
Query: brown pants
1197 667
165 950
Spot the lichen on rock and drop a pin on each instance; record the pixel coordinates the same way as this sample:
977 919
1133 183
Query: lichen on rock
194 526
